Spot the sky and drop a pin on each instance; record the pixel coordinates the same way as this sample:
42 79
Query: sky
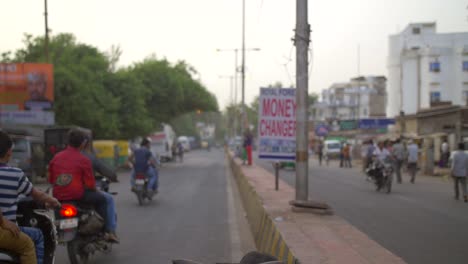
192 31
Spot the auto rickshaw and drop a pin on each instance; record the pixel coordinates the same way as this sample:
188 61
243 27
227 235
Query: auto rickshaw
105 151
124 149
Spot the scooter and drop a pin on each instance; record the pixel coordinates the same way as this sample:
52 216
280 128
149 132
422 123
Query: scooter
32 214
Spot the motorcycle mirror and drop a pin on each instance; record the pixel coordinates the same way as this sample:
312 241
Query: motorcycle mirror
114 193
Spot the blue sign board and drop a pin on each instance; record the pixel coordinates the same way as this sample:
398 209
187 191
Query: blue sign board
375 123
321 130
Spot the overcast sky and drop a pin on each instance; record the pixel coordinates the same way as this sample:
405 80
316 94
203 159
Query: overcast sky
192 30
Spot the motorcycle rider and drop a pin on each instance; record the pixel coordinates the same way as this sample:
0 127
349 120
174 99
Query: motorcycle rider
14 183
71 174
12 239
101 168
382 155
143 161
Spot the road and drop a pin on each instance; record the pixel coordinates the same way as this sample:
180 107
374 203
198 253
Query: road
197 215
421 222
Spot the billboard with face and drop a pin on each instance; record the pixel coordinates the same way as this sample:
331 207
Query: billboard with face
26 86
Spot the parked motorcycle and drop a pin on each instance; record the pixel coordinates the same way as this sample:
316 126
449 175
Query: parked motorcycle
382 174
32 214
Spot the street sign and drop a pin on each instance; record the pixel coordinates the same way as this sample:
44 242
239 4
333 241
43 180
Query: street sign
322 130
277 124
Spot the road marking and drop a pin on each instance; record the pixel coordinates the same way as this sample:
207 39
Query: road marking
236 251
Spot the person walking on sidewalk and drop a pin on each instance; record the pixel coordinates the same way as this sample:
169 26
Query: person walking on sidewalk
445 155
347 155
320 152
459 171
412 160
399 155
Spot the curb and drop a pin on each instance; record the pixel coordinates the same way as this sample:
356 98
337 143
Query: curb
296 237
266 235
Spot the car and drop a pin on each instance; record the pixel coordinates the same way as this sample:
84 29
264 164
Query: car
332 149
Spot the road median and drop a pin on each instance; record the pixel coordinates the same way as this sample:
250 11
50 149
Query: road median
299 237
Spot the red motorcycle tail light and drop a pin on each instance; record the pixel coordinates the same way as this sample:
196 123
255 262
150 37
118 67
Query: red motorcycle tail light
140 176
68 210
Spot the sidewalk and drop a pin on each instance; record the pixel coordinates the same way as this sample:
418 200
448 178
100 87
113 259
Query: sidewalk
309 238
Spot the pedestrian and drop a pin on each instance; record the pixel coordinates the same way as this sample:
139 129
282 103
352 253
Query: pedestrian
248 146
180 151
370 152
341 154
399 155
364 147
459 171
412 159
347 155
445 154
320 152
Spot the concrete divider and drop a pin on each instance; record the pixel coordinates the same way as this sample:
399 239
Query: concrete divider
299 237
267 237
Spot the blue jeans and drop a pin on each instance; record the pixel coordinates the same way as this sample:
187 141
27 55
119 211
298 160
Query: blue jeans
36 236
152 175
104 206
111 220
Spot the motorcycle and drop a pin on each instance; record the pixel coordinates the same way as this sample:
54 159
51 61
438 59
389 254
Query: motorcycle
141 188
32 214
381 172
80 228
253 257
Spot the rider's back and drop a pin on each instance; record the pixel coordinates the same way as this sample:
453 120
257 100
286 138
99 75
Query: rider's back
70 172
142 157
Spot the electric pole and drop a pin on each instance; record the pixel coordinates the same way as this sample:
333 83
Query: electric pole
302 40
46 43
243 70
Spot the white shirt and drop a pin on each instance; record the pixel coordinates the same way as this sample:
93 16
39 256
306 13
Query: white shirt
381 154
413 153
444 147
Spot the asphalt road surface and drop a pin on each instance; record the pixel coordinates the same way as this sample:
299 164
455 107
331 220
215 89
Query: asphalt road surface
421 222
196 215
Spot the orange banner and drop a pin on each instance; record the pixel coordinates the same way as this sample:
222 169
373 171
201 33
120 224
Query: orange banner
26 86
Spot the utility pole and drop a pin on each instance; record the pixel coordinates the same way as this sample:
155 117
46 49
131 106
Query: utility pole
236 72
302 40
231 79
46 43
358 60
243 120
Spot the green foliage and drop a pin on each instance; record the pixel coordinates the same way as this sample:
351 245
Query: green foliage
91 92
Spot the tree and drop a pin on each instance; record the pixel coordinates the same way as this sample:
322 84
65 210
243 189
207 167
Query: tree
312 99
116 103
80 72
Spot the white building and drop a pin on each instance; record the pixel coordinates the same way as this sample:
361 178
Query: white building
426 69
362 97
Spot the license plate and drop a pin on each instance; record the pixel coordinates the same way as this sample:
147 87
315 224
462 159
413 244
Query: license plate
140 182
68 223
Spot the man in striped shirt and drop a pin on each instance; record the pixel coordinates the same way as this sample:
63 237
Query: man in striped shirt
13 183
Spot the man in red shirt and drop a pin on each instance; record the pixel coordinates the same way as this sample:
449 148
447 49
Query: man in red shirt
71 174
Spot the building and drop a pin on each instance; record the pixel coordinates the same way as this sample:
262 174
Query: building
426 69
360 98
